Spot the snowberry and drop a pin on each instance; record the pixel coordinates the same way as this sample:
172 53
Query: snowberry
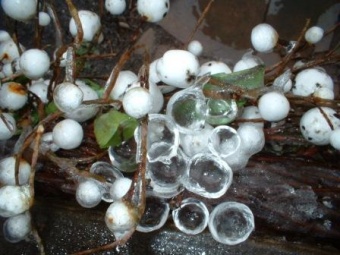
264 37
157 98
153 75
4 36
195 47
90 22
309 80
115 7
123 83
7 171
314 34
120 187
13 95
40 89
213 67
120 218
247 61
153 10
7 126
21 10
283 82
34 63
334 139
314 126
88 193
9 69
9 51
137 102
273 106
67 96
44 19
17 228
251 112
178 68
84 112
14 200
47 143
252 138
68 134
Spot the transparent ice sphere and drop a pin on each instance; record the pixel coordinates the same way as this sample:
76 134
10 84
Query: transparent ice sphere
110 173
207 175
155 215
166 177
188 109
125 162
231 223
221 111
191 217
224 141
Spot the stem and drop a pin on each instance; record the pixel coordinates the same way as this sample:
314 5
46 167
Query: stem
74 13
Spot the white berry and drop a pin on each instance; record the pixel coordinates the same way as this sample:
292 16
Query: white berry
90 23
315 128
44 19
34 63
21 10
115 7
153 10
67 96
137 102
7 126
273 106
314 34
124 82
40 89
68 134
309 80
7 171
178 68
88 193
9 51
13 95
214 67
195 47
14 200
17 228
264 37
120 187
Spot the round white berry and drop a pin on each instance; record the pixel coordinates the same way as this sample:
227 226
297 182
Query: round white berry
252 138
90 23
314 34
89 193
153 10
7 171
309 80
44 19
8 51
137 102
7 126
13 95
249 113
195 47
120 218
273 106
314 126
17 228
214 67
47 143
34 63
40 89
124 82
157 98
115 7
247 61
21 10
14 200
84 112
334 139
68 134
178 68
8 69
4 36
264 37
120 187
67 96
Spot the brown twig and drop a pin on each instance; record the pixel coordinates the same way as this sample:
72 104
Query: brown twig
74 13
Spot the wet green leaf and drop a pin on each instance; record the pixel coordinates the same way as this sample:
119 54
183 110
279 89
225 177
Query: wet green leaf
51 108
113 127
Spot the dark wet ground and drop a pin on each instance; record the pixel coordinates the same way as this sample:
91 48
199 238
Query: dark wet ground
296 201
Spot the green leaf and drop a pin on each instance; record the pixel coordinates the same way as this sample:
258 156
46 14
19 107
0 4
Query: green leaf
247 79
95 86
113 127
51 108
